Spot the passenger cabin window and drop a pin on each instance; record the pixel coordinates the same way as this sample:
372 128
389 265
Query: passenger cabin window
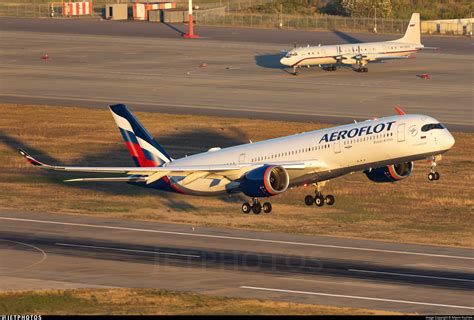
431 126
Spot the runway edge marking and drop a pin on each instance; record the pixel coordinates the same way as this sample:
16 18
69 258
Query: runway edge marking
237 238
356 297
126 250
409 275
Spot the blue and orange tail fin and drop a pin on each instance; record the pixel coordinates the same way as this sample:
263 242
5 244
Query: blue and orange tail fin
145 151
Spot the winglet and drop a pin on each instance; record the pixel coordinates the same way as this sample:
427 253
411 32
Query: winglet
30 159
399 110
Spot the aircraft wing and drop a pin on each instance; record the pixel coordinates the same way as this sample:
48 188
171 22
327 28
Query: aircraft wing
151 174
129 170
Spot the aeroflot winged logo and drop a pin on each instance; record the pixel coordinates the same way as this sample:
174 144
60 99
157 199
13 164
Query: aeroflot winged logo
357 132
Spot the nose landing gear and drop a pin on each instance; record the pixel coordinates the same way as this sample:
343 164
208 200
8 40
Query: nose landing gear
295 70
319 199
433 175
256 207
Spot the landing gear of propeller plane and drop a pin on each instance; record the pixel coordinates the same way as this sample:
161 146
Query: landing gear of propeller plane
319 199
295 70
331 68
362 69
256 207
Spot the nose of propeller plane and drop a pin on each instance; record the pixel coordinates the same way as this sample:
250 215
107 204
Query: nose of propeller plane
284 61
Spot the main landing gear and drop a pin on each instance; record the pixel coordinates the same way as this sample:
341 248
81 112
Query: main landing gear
319 199
330 68
256 207
362 69
433 175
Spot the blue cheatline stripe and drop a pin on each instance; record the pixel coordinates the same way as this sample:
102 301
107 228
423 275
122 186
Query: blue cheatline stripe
138 129
128 136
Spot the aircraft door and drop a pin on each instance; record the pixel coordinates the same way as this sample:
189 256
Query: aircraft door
337 147
401 132
242 158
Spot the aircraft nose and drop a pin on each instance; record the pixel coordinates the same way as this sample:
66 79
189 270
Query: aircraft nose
284 61
449 140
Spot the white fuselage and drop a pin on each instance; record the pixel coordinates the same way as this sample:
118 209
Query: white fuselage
343 149
348 53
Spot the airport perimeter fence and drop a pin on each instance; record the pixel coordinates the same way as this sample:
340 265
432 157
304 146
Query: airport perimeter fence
303 22
27 10
225 16
39 10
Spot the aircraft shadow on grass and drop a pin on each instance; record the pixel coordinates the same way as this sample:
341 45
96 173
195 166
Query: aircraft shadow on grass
177 145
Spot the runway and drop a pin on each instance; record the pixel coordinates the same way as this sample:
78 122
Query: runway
43 250
231 72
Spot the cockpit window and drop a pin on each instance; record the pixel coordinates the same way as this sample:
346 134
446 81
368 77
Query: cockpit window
291 54
431 126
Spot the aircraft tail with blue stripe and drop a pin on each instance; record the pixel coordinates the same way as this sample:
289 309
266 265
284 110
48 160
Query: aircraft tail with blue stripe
143 148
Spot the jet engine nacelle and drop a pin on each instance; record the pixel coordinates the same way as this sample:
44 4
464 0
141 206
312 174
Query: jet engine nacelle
391 173
265 181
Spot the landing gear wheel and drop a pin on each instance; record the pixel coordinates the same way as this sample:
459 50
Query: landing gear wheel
309 200
329 199
267 207
257 208
431 176
295 71
319 200
246 208
362 69
436 176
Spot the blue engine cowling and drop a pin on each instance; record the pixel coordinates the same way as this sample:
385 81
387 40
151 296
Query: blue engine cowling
265 181
391 173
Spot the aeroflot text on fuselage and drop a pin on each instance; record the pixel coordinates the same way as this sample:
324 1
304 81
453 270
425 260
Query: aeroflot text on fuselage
338 135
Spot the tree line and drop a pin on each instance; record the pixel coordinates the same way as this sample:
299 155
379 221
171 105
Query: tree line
395 9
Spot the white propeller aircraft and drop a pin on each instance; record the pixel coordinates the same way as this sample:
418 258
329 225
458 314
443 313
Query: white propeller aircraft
359 54
384 149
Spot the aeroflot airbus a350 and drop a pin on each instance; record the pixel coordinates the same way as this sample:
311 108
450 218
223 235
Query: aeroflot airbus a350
359 54
384 149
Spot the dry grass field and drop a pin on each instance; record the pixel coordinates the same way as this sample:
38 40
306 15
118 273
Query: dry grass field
413 210
154 302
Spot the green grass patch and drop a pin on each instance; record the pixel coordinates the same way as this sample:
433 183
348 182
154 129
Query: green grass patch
153 302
